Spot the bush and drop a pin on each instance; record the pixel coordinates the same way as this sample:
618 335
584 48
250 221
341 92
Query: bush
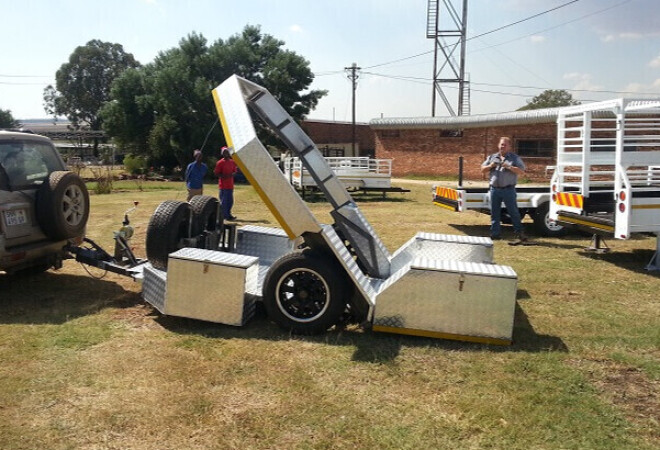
104 180
135 164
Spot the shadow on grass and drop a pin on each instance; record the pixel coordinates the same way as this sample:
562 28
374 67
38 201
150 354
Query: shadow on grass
634 261
358 197
369 346
52 298
569 242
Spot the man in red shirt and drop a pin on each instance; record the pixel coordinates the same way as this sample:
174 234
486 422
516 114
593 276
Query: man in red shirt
225 170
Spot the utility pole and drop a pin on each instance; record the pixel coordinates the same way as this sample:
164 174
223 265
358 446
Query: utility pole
353 75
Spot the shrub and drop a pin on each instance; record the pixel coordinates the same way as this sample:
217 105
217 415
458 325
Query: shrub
135 164
103 180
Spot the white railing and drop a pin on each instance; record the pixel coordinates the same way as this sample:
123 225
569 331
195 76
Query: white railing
354 172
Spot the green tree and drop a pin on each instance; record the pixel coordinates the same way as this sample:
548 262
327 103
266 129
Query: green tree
549 99
83 84
165 109
7 120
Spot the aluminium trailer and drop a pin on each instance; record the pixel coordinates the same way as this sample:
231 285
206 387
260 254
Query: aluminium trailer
309 275
607 177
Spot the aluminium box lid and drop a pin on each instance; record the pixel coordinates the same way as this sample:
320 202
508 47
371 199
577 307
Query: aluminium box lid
465 267
214 257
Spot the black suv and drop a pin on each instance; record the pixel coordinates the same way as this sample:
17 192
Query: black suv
43 206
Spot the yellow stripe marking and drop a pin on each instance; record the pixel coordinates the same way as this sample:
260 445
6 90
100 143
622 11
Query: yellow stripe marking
585 222
438 335
645 206
442 205
246 172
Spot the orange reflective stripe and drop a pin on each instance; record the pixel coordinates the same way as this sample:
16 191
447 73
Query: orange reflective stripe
451 194
569 199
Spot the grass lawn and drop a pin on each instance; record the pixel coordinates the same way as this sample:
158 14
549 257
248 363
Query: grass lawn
86 363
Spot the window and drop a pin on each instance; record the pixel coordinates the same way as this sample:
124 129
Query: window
544 148
451 133
390 133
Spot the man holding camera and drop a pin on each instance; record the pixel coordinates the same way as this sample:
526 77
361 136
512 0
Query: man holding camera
503 169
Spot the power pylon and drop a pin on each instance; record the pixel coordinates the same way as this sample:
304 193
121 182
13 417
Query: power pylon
448 30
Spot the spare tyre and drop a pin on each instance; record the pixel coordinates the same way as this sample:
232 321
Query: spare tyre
169 224
62 205
204 214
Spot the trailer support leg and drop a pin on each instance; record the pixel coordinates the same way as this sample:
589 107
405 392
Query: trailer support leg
654 264
598 244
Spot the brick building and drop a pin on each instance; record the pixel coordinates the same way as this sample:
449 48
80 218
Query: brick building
330 136
432 145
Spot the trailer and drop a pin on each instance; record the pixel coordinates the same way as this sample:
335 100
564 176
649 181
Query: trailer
357 173
533 201
312 276
607 178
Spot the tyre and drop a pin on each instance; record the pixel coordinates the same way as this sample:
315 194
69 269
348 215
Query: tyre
305 293
62 205
543 225
168 225
204 214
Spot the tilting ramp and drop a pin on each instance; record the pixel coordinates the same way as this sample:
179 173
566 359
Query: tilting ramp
232 99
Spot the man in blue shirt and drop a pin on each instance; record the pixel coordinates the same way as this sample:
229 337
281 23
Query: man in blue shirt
503 169
195 175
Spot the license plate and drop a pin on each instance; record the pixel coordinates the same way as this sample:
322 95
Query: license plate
15 217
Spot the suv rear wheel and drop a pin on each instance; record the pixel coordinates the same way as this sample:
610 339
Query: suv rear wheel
62 205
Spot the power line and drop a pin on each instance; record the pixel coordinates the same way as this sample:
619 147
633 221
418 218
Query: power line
22 84
523 20
23 76
479 35
555 27
421 80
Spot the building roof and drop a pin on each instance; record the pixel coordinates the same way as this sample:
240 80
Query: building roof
635 106
548 115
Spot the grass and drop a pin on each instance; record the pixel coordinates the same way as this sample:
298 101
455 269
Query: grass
85 363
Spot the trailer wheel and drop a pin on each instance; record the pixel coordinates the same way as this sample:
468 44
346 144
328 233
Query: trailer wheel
305 293
169 224
62 205
204 214
543 225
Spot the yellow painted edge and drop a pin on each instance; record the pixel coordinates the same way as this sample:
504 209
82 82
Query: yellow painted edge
442 205
646 207
438 335
586 223
248 175
475 201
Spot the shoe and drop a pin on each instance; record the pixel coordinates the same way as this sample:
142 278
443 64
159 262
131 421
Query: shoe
518 239
495 238
231 218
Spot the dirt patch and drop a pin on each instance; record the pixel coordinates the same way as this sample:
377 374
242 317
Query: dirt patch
628 388
137 317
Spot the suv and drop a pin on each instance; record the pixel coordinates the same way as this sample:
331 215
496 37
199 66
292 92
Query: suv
43 206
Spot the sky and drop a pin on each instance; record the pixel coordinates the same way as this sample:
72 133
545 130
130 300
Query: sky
595 49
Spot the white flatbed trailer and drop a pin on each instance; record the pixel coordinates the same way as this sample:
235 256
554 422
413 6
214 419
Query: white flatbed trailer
357 173
311 275
533 201
607 177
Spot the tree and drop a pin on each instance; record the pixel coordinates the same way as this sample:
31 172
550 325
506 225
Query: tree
7 120
83 84
165 109
550 98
